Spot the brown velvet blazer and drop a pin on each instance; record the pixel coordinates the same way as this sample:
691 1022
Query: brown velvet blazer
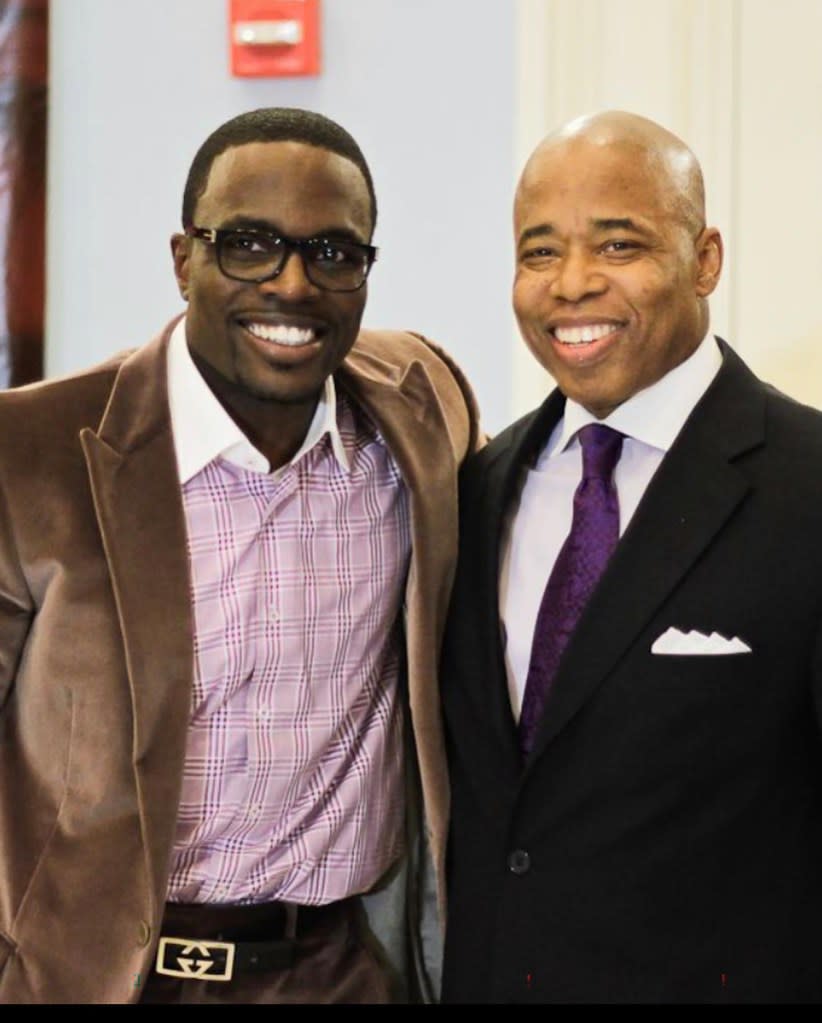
96 647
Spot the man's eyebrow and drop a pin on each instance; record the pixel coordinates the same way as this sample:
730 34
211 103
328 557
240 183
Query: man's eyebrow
597 224
537 231
240 223
617 224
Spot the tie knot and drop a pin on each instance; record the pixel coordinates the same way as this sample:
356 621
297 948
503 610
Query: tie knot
601 447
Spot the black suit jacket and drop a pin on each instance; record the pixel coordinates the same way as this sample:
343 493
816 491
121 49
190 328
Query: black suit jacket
664 840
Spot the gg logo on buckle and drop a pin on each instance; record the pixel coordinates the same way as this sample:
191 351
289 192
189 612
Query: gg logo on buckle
195 959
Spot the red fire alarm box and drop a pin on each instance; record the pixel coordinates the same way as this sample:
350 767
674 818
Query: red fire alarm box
281 37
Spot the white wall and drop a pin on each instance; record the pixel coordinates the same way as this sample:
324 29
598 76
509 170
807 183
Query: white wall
426 87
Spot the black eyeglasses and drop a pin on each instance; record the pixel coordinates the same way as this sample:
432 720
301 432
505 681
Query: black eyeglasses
249 254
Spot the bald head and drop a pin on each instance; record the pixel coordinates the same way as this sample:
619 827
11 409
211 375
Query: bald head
660 153
614 260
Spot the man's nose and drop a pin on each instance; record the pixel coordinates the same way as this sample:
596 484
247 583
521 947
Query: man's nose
292 281
577 277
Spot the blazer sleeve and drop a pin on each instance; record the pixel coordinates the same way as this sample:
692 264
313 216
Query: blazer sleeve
462 410
16 604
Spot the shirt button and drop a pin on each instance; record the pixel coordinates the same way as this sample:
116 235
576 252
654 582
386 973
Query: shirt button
273 614
519 862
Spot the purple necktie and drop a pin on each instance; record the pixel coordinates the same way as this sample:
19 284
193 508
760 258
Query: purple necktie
580 563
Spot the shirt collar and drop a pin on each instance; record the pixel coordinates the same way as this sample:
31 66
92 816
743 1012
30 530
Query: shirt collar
203 430
656 414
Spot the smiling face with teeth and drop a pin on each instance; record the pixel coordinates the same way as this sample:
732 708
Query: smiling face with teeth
614 263
277 340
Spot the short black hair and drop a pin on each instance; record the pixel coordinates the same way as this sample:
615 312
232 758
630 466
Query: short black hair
272 124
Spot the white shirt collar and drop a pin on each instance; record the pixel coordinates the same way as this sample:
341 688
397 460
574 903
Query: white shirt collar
656 414
203 430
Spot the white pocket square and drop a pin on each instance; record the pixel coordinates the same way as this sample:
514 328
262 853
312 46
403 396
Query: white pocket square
674 641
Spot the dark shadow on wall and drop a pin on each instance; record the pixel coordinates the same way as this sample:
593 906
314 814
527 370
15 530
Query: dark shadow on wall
23 114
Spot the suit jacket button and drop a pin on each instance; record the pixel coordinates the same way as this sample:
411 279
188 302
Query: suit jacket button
519 862
143 934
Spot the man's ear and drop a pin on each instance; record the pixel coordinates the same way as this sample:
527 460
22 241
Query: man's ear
181 254
709 254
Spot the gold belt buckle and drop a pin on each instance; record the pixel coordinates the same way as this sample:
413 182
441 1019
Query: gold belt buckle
195 959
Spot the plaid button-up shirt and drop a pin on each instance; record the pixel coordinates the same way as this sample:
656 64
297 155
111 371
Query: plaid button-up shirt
292 787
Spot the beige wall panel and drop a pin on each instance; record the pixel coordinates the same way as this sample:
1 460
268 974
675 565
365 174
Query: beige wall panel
778 252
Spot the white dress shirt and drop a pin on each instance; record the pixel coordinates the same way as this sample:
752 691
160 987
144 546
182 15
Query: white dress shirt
539 518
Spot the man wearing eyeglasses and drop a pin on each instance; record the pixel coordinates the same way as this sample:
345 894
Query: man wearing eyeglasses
224 563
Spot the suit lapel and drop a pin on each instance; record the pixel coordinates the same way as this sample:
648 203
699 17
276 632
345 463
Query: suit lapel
133 476
696 490
502 481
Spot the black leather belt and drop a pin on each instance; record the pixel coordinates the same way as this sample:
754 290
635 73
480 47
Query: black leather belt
213 943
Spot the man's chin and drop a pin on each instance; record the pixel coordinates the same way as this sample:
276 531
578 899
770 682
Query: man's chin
280 392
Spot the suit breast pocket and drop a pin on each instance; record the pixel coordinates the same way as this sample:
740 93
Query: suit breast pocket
703 673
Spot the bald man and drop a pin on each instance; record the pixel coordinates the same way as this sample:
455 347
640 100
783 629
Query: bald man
633 666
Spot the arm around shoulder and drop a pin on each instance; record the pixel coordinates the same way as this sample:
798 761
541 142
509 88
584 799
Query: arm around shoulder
397 351
465 410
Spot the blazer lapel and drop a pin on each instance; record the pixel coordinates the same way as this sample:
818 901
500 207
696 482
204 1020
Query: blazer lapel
410 419
694 493
501 484
133 476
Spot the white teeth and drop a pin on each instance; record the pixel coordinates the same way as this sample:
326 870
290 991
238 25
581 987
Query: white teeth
282 335
582 335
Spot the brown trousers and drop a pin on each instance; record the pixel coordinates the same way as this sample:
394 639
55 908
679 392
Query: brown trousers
334 961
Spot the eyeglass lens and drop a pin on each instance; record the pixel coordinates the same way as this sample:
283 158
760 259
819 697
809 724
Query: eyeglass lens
330 264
